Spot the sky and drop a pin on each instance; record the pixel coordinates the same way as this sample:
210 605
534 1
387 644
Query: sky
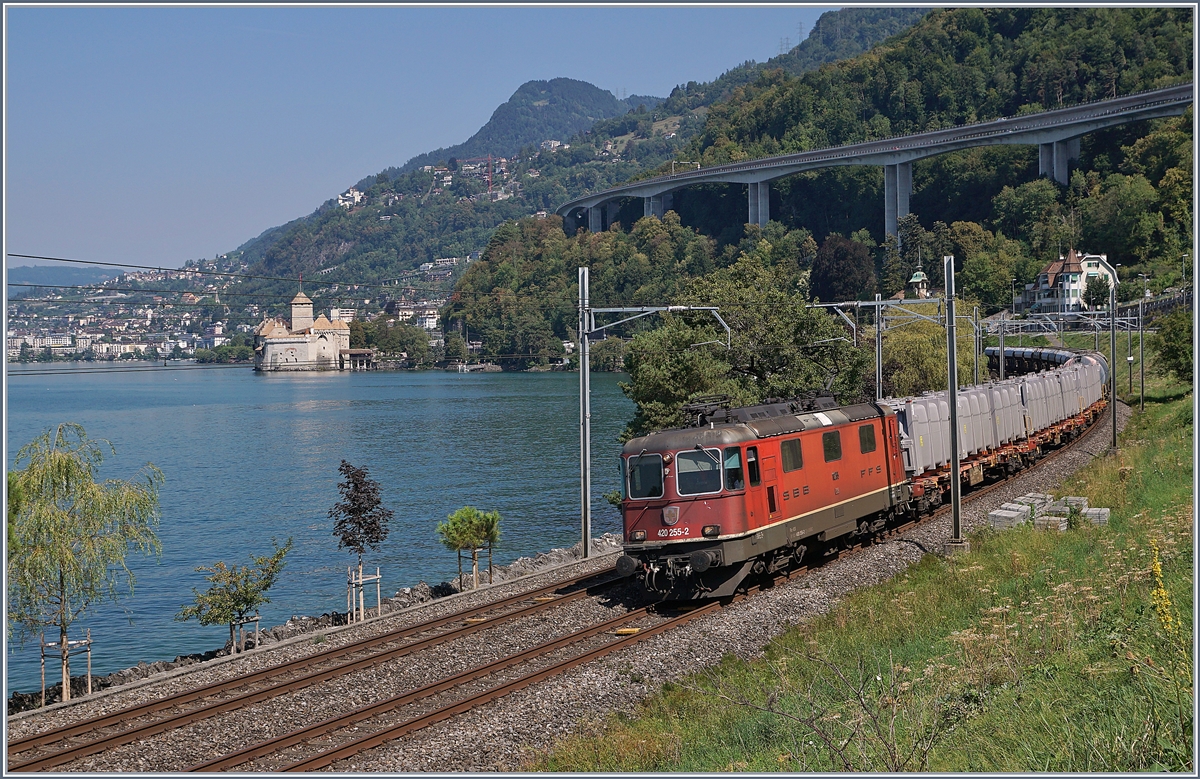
158 135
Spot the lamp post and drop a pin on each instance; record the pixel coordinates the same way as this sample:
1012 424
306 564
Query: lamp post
1183 268
1141 350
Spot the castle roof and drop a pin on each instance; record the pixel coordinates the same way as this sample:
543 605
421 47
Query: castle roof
271 328
322 323
301 299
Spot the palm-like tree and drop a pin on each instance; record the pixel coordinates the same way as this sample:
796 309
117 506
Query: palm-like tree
470 529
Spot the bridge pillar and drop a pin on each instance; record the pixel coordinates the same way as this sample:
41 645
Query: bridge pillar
668 201
1053 158
759 198
594 219
1045 159
647 206
903 189
1060 162
890 218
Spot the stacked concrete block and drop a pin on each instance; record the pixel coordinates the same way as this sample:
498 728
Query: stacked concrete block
1077 502
1036 502
1059 507
1096 516
1025 510
1003 519
1050 522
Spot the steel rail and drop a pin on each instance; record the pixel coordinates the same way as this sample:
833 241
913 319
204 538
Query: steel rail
310 731
387 734
128 735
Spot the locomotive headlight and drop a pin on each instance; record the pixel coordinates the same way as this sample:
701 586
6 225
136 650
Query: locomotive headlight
711 531
670 515
637 535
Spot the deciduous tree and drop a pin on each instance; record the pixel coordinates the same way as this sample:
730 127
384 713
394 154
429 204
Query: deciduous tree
1172 345
360 520
235 591
72 533
1095 293
842 270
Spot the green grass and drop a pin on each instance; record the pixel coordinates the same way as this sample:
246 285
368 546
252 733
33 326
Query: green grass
1037 651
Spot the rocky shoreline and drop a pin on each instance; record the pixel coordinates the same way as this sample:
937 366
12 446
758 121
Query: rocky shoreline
404 598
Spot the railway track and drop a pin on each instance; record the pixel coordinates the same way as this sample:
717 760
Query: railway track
334 739
87 737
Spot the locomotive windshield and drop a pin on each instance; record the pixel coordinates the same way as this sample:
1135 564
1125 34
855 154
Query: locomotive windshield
733 469
698 471
645 476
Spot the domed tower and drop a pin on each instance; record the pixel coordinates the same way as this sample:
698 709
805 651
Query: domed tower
919 282
302 312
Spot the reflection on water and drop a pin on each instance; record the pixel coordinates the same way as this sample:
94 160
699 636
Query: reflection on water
249 457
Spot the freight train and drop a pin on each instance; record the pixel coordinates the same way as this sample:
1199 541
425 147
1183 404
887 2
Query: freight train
752 490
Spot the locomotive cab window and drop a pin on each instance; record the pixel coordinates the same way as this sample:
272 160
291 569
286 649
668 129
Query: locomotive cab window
733 469
866 439
752 466
698 471
790 450
832 443
645 476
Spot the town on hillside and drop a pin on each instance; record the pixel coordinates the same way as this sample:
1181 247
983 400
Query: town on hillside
187 313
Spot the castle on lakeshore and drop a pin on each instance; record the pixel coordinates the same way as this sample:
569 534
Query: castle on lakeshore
306 344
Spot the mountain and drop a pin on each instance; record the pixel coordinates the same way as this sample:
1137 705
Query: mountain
407 218
539 110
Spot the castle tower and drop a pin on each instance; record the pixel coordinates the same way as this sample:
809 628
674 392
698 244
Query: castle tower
302 312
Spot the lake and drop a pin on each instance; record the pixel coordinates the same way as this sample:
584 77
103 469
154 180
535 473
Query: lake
250 457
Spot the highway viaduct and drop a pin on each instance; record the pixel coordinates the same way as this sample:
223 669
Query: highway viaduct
1056 132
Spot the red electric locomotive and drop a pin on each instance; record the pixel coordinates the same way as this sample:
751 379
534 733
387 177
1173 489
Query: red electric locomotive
754 489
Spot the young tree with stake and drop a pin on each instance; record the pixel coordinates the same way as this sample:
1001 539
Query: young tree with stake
71 534
473 530
235 591
360 520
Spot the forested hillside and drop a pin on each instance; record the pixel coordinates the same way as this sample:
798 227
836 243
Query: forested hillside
836 35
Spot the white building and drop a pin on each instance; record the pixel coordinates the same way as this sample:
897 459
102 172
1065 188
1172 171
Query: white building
350 198
427 318
1061 284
